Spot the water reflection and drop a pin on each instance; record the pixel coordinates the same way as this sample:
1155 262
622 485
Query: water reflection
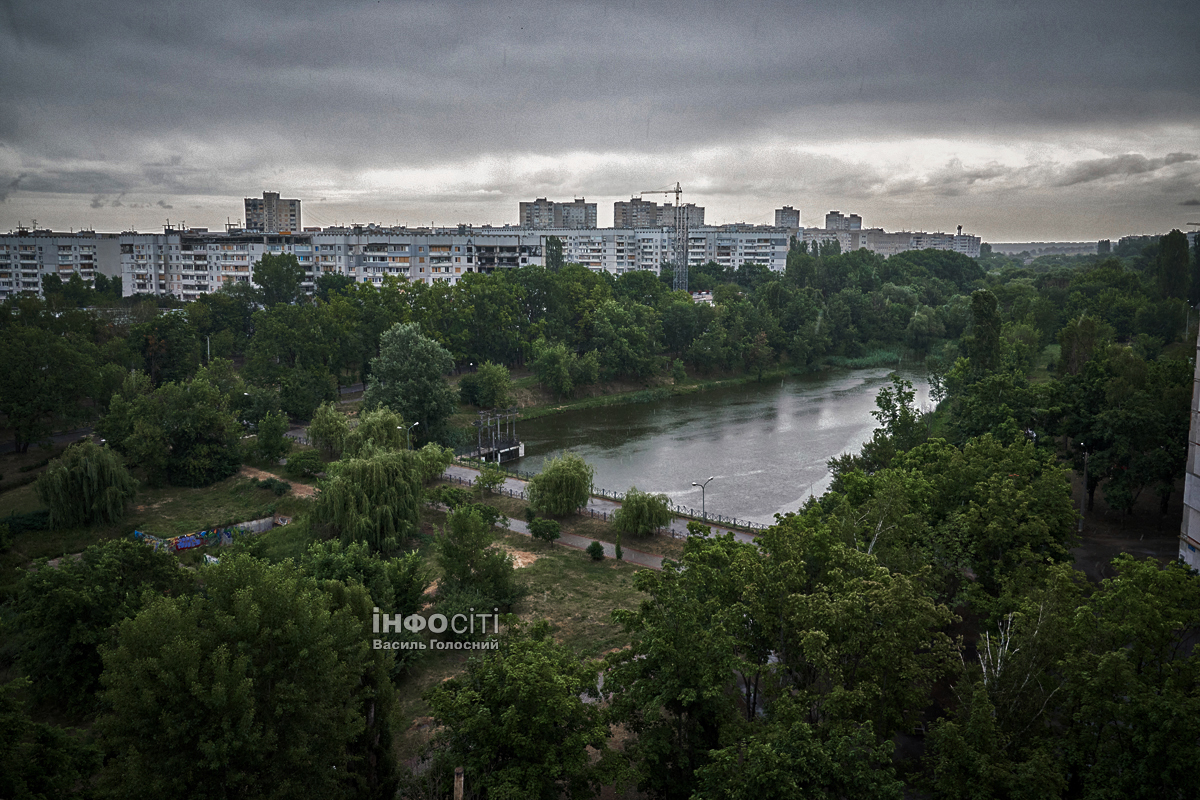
766 444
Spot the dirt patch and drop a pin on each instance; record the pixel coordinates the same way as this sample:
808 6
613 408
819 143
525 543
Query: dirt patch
298 489
521 558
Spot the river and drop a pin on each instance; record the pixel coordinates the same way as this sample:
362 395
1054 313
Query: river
764 444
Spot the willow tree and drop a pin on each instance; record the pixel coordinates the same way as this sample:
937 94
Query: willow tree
374 500
86 485
562 486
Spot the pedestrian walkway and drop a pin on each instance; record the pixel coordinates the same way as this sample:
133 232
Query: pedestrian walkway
598 505
581 543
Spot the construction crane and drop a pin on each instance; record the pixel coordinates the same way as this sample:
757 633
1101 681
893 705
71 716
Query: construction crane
681 237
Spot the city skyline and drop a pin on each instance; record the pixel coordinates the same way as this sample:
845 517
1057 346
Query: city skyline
1019 121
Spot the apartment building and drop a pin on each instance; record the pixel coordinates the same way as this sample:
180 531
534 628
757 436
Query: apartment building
543 213
272 214
787 217
28 256
848 232
836 221
637 213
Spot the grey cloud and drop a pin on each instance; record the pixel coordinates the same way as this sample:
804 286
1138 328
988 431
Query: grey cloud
1192 202
1126 164
11 187
164 204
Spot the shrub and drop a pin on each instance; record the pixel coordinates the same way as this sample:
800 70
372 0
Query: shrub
562 486
277 486
547 530
596 551
450 496
491 477
303 464
86 485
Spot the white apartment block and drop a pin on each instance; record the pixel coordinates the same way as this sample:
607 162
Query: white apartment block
26 257
188 263
850 235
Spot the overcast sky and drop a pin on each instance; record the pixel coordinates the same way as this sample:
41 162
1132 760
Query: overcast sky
1020 121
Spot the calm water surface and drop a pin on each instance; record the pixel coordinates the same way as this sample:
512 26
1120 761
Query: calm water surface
766 445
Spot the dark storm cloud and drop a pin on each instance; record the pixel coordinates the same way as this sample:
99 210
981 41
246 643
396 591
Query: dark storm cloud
220 98
1190 203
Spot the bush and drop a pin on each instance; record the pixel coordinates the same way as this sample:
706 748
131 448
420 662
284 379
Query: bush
490 387
596 551
280 488
29 521
678 373
303 464
451 497
547 530
562 486
86 485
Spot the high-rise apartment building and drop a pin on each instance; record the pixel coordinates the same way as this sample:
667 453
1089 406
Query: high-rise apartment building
787 217
639 213
272 214
543 213
835 221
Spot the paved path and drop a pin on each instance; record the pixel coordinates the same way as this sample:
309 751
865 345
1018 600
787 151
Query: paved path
677 527
581 543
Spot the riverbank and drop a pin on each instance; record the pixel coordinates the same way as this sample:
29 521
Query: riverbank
613 394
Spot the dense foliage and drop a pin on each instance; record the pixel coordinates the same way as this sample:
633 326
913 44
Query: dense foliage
86 485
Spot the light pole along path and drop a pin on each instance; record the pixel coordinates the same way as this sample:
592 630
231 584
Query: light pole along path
677 526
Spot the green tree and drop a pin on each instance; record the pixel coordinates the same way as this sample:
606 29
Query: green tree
374 500
1171 267
377 430
38 760
563 485
64 613
328 430
518 724
546 530
983 345
86 485
272 442
490 387
790 759
554 253
43 378
396 584
408 377
279 687
642 513
278 278
167 346
469 563
184 434
432 461
490 478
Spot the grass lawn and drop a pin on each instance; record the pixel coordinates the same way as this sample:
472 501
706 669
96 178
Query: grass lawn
164 512
564 586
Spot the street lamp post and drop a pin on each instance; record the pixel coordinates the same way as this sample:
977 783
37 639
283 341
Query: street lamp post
409 432
703 512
